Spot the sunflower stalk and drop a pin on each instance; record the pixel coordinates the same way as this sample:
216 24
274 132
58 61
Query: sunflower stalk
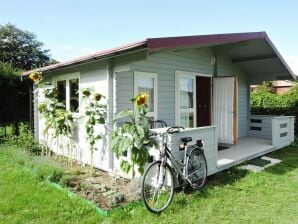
131 136
59 122
95 114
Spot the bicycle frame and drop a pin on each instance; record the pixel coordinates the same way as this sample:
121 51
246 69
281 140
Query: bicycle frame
177 166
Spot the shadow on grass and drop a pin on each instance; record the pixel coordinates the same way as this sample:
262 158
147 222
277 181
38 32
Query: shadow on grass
223 178
226 177
288 155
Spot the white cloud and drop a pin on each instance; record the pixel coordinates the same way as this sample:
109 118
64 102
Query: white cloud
292 61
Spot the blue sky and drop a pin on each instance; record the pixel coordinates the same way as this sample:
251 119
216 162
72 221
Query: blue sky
74 28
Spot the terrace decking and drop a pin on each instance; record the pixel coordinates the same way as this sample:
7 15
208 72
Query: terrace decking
265 134
246 149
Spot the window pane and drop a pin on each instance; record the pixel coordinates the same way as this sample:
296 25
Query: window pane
74 95
147 85
186 93
186 120
61 88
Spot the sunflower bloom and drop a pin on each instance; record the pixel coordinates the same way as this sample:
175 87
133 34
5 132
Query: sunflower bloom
97 97
142 99
35 77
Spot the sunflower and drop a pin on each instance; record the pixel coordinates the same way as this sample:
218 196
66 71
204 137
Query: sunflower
97 96
35 77
142 99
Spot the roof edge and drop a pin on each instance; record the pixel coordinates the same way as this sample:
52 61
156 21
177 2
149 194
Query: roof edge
202 40
153 44
90 57
283 61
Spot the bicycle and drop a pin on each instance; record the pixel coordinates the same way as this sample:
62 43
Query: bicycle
158 180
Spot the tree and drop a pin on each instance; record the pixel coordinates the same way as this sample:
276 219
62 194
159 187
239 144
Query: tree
14 103
21 49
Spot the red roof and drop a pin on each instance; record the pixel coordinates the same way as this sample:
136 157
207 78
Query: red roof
152 44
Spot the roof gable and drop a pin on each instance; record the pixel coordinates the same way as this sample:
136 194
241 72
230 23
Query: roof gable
152 44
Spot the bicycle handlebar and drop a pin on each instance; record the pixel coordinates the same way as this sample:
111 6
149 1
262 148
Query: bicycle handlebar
174 129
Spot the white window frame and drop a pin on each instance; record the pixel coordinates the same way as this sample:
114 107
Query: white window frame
138 74
188 75
67 77
184 74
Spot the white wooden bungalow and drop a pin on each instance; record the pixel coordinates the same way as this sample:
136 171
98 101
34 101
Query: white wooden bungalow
199 82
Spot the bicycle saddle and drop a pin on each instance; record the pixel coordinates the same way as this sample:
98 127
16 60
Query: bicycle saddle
186 139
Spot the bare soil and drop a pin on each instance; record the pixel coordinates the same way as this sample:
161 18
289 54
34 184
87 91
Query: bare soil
104 190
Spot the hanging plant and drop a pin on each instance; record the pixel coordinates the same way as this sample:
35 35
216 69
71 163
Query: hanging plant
95 113
58 120
132 136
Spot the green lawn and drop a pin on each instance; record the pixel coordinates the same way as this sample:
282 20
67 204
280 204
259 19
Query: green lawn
233 196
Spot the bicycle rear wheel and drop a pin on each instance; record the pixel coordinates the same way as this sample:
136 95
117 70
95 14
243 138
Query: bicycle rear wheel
197 168
157 187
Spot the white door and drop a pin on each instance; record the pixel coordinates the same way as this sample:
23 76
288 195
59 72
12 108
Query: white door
224 105
186 100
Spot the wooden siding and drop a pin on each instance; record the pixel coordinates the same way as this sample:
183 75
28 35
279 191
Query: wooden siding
92 76
282 131
207 134
165 64
278 129
260 127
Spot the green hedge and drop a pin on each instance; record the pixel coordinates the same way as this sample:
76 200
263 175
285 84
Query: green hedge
264 101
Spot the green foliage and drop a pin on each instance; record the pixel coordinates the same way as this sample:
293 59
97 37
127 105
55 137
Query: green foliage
49 172
67 180
43 167
95 113
132 136
265 98
14 96
25 140
57 118
21 49
265 102
59 123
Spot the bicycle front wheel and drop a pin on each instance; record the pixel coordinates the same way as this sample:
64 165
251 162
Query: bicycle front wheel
197 169
157 187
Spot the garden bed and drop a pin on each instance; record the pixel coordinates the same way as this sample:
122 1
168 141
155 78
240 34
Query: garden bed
103 190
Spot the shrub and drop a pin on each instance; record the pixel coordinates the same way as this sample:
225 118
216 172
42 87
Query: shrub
46 169
68 181
43 167
25 140
265 102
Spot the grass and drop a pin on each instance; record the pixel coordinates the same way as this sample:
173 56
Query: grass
27 199
232 196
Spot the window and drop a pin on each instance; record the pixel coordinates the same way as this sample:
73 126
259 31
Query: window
147 82
186 99
68 87
74 95
61 87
